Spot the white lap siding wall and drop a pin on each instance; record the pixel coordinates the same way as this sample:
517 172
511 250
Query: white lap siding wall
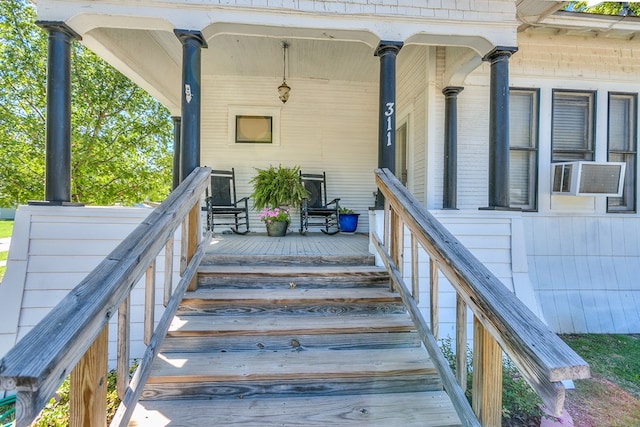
52 250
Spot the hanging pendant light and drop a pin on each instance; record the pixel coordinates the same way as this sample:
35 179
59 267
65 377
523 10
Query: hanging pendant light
284 89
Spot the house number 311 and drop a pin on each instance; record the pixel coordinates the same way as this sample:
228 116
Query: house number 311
389 115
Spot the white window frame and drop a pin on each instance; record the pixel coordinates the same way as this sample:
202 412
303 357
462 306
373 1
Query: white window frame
559 125
629 154
531 149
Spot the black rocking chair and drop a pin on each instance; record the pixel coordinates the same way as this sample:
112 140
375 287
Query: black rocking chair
222 206
316 206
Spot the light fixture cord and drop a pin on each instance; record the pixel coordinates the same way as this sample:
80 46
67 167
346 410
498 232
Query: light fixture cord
284 61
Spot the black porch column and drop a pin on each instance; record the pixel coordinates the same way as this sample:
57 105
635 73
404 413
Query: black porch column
176 151
387 51
57 184
192 43
450 190
499 127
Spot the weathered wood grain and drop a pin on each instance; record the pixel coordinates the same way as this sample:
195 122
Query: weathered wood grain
428 409
434 316
273 388
540 355
126 407
354 341
265 277
288 295
296 364
310 309
124 344
487 377
268 259
240 342
452 388
41 360
88 386
287 325
461 342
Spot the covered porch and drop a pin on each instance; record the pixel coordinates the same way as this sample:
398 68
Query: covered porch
254 245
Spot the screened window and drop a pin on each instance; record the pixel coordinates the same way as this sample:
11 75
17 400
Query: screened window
523 148
623 147
572 126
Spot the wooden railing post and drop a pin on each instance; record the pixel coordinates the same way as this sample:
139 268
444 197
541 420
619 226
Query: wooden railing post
415 270
124 332
461 342
433 295
88 385
487 377
149 302
192 240
168 271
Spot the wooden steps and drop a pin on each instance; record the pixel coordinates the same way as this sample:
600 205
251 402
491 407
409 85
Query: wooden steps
275 344
427 409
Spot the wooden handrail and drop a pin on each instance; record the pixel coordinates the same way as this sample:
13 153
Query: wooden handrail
453 389
38 364
539 354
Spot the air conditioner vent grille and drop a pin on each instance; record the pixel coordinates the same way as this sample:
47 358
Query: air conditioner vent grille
586 178
600 179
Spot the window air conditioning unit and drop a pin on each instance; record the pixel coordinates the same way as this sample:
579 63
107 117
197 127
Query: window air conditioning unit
588 178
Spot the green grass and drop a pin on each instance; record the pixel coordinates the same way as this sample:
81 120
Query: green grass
614 357
6 228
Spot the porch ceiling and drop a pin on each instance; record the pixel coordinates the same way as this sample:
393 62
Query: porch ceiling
157 56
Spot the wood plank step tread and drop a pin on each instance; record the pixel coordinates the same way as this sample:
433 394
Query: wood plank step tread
424 409
289 296
273 388
295 259
262 270
303 364
347 341
192 325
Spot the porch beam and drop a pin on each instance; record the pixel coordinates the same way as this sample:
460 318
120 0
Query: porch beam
57 186
499 126
387 52
450 190
192 44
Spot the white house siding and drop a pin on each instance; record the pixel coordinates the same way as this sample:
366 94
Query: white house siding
582 262
411 98
473 152
329 126
52 250
461 10
585 271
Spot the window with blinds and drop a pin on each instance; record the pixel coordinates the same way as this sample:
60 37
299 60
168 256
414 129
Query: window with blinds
622 147
523 148
572 126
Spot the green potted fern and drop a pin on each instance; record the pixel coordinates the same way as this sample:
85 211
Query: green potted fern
277 187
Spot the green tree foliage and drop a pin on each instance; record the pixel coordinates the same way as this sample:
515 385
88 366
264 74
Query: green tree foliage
121 137
606 8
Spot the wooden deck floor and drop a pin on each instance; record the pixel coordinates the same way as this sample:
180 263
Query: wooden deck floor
291 244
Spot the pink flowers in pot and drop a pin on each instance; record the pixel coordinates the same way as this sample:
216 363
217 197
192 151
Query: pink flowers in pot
274 214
